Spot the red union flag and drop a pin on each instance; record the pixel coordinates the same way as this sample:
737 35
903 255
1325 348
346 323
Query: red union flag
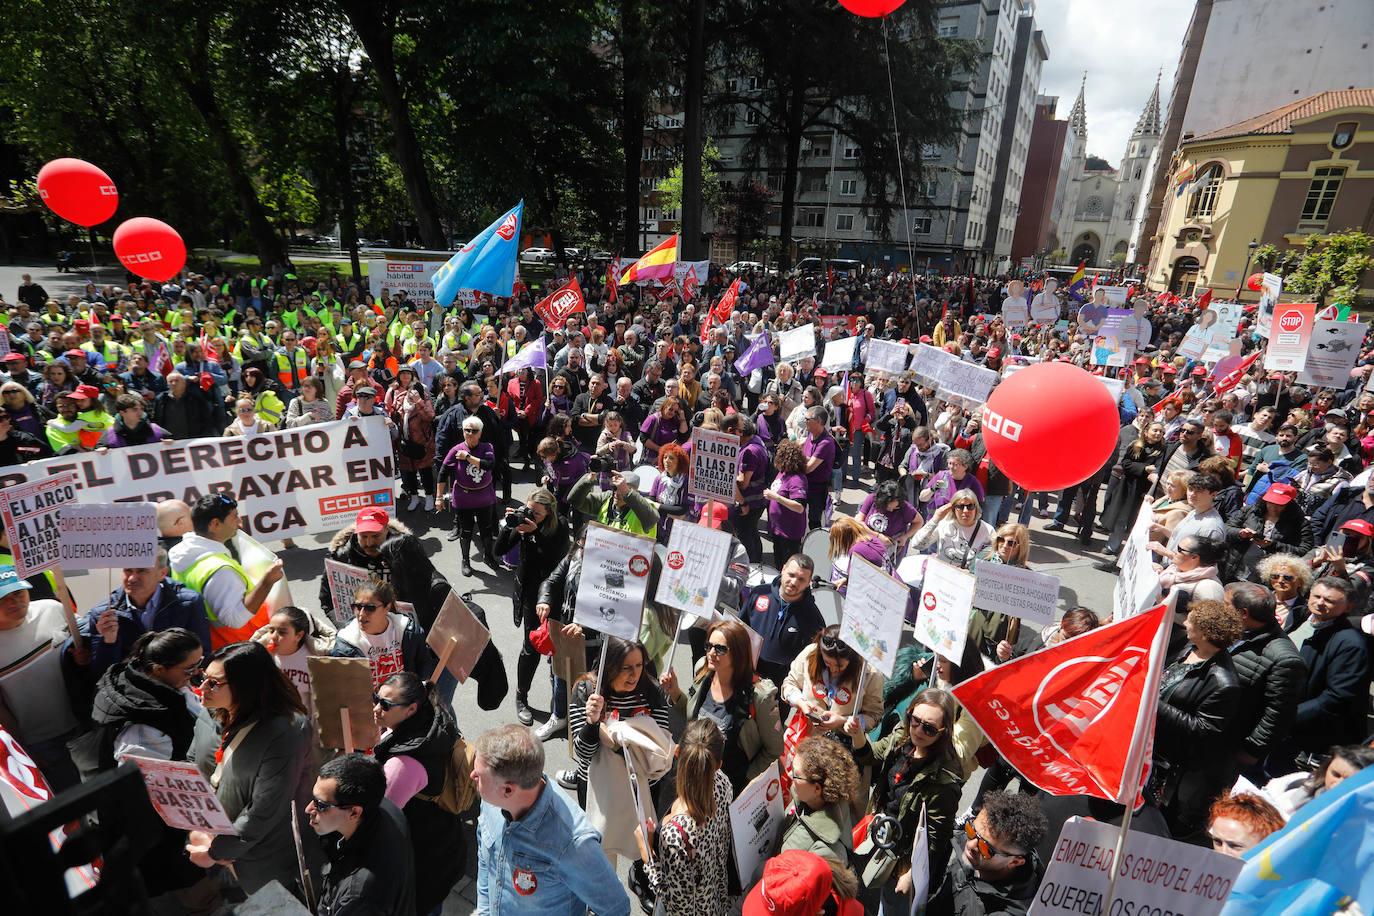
1231 379
1078 717
562 302
613 278
726 305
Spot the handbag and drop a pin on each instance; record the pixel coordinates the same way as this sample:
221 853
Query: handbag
412 449
874 839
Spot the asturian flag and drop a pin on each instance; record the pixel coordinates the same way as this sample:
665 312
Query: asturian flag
486 263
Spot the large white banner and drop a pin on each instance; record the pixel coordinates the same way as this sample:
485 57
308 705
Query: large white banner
410 277
967 381
287 483
797 343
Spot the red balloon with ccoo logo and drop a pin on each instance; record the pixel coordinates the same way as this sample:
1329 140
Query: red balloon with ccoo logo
78 191
150 248
1050 426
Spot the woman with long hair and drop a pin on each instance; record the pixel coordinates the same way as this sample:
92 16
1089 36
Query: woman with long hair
389 640
690 872
823 682
24 411
669 488
310 406
726 690
255 751
1140 468
852 538
787 501
989 630
669 425
57 379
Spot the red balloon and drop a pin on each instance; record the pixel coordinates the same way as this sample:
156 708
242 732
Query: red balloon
1254 282
871 8
1050 426
150 248
78 191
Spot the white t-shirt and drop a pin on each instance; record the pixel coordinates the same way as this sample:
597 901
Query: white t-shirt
31 673
384 654
297 671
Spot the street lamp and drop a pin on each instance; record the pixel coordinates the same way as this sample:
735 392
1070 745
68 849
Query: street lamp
1249 255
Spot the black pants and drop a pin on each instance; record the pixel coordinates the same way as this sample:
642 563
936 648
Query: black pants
746 521
783 548
527 662
480 521
815 506
412 480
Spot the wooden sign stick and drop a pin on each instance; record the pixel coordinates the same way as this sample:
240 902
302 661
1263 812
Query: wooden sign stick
347 729
444 656
60 583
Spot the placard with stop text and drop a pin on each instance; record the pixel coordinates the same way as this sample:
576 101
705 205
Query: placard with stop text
31 513
1289 336
183 797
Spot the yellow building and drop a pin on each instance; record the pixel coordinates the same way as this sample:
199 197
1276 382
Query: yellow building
1278 178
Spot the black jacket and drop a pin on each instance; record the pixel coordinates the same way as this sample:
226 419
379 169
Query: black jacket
1336 697
963 893
20 447
373 871
126 696
539 557
1190 724
1291 535
1271 675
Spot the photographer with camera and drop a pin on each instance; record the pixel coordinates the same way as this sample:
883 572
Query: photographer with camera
543 540
623 506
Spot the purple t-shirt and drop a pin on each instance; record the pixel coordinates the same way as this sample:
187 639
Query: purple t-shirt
823 448
472 484
754 458
891 524
563 474
659 432
782 521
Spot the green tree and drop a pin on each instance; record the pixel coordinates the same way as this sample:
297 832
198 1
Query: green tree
712 192
1334 266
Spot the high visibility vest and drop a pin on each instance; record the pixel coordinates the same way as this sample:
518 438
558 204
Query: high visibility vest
50 319
116 356
269 407
97 422
198 573
629 521
291 369
259 343
292 319
62 434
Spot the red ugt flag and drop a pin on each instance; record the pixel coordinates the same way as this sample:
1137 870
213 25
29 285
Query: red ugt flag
1231 379
562 302
1076 718
726 305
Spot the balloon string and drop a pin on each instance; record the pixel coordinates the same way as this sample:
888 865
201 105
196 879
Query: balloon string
90 246
901 178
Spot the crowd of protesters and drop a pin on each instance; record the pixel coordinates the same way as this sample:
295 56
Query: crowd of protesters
1262 528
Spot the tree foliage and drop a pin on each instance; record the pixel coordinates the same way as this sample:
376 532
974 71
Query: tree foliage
1333 267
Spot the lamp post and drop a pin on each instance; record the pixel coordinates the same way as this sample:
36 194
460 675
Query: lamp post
1249 255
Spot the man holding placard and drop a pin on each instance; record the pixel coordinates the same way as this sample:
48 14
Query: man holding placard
147 600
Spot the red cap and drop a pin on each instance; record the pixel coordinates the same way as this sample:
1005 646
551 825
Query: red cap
926 338
81 324
994 353
87 391
1359 526
719 513
370 520
76 352
1199 371
795 883
1280 494
1141 361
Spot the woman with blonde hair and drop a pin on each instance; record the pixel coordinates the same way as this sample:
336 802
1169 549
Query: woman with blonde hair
1170 508
1289 578
956 532
849 538
994 633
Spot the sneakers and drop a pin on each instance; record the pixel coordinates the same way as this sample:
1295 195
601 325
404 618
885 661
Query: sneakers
414 503
1054 526
553 728
522 711
567 779
429 503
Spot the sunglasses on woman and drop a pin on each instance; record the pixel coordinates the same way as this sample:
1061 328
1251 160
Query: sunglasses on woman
1282 577
929 728
1001 541
364 606
386 704
831 645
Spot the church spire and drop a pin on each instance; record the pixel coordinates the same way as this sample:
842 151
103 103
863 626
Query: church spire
1078 117
1148 125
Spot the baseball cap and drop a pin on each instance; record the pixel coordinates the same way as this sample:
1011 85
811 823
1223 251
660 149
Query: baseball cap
10 581
87 391
795 883
1354 526
74 353
1170 370
1141 361
81 324
15 357
1199 371
370 520
356 364
1280 494
1336 414
367 391
719 513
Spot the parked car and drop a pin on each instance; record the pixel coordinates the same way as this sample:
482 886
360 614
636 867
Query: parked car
743 267
537 256
815 267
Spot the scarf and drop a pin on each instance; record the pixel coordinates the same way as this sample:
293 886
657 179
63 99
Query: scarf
1170 576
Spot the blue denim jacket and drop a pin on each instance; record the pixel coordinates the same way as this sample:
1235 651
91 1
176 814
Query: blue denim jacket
548 863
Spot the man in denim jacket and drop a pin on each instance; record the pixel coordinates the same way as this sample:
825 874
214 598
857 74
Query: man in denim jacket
537 854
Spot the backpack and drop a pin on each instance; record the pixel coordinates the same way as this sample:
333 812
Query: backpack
1279 472
459 793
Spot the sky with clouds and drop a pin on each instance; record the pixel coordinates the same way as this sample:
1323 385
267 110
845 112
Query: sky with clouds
1121 45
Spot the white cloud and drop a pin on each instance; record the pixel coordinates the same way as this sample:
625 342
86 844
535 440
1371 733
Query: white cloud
1122 45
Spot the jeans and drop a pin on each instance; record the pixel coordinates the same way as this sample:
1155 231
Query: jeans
856 459
992 509
1029 498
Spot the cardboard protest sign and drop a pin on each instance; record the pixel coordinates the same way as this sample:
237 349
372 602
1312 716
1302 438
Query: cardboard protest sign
1114 386
457 637
1289 336
288 483
1271 287
110 536
714 465
614 581
874 605
342 690
1156 875
928 364
967 381
1024 593
888 356
1110 345
697 557
1137 588
839 354
797 343
755 818
1335 347
944 609
182 796
31 512
1015 308
343 581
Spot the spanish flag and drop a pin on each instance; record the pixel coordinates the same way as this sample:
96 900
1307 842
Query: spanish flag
656 265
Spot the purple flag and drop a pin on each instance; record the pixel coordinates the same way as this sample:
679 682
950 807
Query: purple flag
759 354
533 356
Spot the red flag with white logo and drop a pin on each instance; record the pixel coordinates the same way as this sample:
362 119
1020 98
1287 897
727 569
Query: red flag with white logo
1078 718
562 302
1231 379
721 313
691 284
1204 300
613 278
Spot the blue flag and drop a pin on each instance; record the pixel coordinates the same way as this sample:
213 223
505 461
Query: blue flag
1325 853
531 356
759 354
486 264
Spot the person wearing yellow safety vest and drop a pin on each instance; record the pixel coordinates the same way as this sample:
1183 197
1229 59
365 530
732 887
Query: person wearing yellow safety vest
291 363
97 419
623 506
253 348
350 342
115 354
64 430
271 406
208 560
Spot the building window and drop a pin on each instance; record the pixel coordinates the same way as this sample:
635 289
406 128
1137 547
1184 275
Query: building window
920 225
870 224
751 117
1321 194
1204 202
812 219
849 187
650 214
851 152
844 222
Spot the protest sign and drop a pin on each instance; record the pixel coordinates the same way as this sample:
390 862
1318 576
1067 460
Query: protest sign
755 818
1024 593
967 381
343 581
457 637
714 466
1335 347
1114 386
1137 587
887 356
1045 306
1116 295
4 342
288 483
409 277
944 609
342 692
182 796
874 605
1110 346
839 354
109 536
1289 336
1196 340
1015 312
1271 287
615 578
697 557
1155 875
928 364
31 511
797 343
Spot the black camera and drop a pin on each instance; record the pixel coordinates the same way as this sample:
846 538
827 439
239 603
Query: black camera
520 516
600 465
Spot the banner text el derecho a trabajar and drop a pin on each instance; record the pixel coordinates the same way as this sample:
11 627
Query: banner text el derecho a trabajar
290 482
